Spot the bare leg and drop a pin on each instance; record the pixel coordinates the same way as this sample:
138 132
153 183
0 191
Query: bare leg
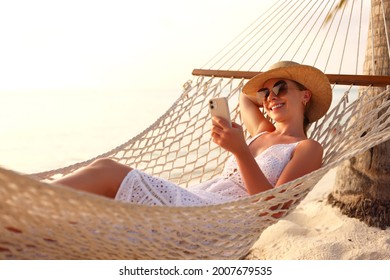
102 177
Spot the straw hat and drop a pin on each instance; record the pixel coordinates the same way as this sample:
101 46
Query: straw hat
312 78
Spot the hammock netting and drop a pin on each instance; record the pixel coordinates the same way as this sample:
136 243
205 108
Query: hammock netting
41 221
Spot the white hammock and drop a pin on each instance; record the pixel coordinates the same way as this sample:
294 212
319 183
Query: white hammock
41 221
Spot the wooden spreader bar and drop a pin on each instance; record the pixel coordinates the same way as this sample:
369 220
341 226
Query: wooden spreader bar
340 79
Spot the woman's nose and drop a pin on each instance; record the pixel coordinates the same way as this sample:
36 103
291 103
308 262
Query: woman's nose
271 96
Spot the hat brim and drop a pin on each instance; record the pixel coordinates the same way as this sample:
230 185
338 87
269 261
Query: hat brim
312 78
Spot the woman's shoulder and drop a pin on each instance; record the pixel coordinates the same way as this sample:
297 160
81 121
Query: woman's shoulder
309 146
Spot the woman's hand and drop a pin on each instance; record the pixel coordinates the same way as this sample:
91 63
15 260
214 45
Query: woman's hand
230 138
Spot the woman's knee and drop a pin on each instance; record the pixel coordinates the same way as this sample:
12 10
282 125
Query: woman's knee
110 173
110 168
104 163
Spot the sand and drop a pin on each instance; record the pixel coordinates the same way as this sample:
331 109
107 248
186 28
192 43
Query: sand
317 231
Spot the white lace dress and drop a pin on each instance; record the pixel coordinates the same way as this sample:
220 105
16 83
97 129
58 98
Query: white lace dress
142 188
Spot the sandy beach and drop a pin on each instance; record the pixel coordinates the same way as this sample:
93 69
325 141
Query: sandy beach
317 231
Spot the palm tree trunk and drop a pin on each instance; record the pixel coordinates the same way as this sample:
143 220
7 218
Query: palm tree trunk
362 186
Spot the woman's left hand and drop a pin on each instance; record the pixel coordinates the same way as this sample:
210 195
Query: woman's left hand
230 138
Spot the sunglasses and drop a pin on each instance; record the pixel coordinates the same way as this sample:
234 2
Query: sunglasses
279 87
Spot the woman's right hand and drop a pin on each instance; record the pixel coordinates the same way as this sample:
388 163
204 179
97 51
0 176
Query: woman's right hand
229 138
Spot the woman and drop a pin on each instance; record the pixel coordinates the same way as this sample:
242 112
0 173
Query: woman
292 95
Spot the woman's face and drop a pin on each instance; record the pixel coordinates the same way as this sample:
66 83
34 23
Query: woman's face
283 100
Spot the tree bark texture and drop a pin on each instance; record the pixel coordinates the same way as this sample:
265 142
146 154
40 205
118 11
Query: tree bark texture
362 186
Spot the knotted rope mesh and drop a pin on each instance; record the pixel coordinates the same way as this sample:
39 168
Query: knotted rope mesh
41 221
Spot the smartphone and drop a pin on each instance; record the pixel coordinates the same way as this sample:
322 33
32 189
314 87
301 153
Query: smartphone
219 108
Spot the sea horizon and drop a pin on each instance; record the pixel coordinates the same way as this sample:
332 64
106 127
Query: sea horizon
47 129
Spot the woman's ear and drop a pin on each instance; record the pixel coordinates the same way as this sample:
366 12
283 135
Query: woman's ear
306 97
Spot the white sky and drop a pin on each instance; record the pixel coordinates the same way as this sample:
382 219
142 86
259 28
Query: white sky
114 44
59 46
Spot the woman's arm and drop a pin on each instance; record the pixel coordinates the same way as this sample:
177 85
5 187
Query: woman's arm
254 179
252 117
